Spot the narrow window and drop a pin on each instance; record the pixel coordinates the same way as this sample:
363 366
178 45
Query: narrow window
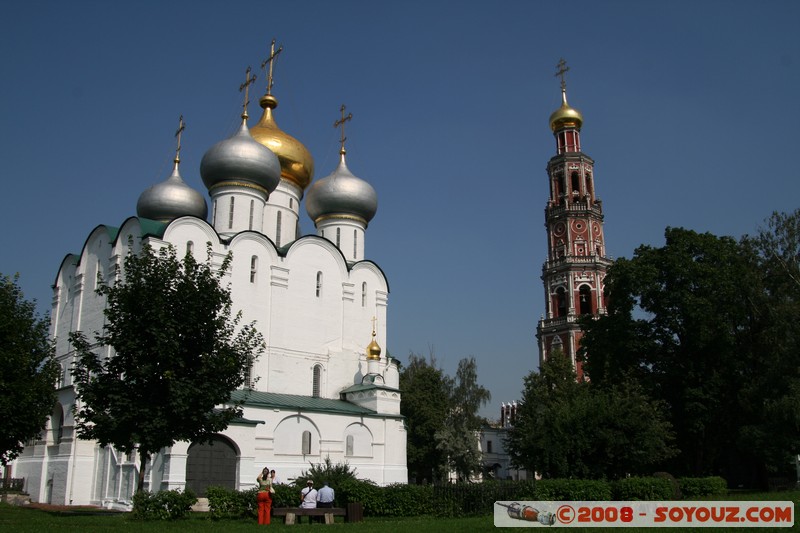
589 185
576 183
252 207
585 298
230 214
291 203
355 244
248 374
214 214
189 247
319 284
306 443
278 230
315 387
338 237
561 302
488 446
253 268
364 294
349 445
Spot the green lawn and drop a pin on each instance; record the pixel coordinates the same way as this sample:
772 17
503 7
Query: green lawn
20 519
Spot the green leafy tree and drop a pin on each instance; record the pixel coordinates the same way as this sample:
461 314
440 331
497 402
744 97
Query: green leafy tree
28 371
177 356
566 428
769 436
458 438
425 405
694 323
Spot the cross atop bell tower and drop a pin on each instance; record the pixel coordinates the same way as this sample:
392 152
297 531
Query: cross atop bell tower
575 269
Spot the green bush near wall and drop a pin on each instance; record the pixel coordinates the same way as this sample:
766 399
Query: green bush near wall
162 505
692 487
642 488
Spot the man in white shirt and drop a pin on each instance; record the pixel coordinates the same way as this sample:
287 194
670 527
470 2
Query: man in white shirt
308 498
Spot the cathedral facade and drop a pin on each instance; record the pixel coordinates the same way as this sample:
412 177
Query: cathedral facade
321 388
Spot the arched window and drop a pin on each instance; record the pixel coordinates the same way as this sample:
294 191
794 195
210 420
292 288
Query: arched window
355 244
252 207
214 214
319 284
189 247
588 184
348 445
585 299
253 268
317 380
561 302
306 443
364 294
338 237
278 230
230 213
576 183
291 203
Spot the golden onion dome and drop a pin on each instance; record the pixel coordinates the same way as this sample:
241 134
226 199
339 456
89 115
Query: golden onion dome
565 116
373 350
297 165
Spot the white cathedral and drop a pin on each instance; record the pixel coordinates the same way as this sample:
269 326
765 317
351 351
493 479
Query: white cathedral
320 389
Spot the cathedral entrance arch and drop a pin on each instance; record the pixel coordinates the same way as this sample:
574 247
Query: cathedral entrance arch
211 463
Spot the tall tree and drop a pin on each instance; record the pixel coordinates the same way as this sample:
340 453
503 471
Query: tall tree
425 405
458 438
28 371
688 322
177 355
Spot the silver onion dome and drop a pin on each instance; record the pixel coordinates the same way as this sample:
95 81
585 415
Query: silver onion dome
171 199
341 193
241 160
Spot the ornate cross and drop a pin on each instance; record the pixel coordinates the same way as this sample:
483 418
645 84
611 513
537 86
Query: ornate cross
270 61
181 127
562 69
246 88
341 122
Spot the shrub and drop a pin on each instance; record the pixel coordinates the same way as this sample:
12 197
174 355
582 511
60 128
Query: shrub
162 505
692 487
572 489
642 488
231 504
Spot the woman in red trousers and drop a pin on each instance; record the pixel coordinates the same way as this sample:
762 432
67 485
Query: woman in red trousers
264 497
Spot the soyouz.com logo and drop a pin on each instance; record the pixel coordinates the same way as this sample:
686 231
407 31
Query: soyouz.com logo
644 514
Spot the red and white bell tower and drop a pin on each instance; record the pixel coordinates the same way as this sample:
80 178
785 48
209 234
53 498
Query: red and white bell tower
576 264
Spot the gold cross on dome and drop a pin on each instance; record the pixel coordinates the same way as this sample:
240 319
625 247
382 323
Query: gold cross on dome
562 69
374 320
341 122
270 61
181 127
246 88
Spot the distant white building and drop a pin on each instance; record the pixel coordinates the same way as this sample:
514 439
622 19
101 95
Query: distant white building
496 460
322 387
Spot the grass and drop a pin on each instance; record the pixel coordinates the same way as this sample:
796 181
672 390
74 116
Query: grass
22 520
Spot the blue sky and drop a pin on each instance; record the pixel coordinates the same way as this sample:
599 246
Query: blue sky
690 113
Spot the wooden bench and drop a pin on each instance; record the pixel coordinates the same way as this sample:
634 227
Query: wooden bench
289 514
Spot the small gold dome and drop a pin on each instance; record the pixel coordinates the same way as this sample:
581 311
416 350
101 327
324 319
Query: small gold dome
373 350
297 165
565 116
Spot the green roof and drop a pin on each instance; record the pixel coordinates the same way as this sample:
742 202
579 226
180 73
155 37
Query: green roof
368 386
293 402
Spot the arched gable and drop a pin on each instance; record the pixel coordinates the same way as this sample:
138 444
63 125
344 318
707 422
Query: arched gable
288 436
